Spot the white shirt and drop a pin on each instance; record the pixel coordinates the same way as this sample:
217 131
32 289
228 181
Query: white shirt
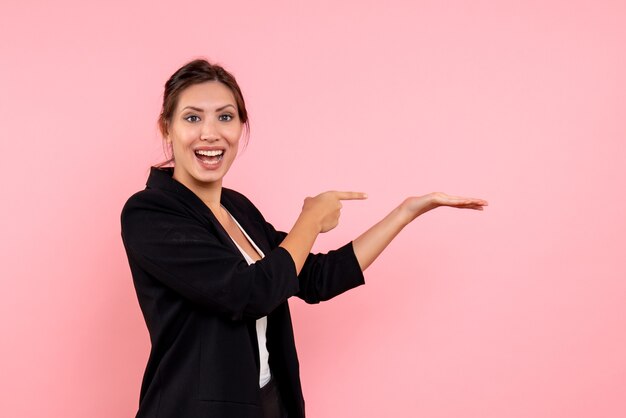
261 324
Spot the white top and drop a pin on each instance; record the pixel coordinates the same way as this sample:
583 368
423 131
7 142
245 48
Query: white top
261 324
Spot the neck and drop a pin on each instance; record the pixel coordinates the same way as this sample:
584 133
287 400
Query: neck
211 195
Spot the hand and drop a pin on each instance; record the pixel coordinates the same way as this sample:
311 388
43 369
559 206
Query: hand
324 209
418 205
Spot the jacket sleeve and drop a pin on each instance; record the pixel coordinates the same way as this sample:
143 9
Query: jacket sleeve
325 276
170 246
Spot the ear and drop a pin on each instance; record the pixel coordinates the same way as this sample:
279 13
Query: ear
165 134
167 138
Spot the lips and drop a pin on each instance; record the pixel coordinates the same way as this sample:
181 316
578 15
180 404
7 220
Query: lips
209 153
208 157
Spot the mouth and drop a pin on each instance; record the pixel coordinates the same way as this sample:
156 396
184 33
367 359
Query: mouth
210 157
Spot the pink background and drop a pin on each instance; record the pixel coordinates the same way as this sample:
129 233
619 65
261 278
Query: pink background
518 311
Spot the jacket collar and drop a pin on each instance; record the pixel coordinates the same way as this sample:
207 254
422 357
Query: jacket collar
161 178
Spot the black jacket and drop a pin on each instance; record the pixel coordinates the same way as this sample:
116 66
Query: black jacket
200 300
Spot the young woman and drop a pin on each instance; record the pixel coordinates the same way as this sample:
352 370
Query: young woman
213 276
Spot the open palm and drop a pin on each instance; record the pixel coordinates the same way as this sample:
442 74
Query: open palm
418 205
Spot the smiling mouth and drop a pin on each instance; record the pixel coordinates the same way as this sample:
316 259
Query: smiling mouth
210 157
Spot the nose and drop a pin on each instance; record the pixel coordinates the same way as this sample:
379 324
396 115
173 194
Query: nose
209 131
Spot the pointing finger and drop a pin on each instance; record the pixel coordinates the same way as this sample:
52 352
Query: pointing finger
351 195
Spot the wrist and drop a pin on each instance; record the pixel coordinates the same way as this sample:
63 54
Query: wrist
310 222
417 206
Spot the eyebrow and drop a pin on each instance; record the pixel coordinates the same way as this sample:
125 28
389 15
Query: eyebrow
197 109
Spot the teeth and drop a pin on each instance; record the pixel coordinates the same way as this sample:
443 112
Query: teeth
212 153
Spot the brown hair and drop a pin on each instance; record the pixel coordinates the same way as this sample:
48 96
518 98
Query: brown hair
196 72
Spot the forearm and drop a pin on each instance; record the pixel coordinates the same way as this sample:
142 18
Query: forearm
300 239
369 245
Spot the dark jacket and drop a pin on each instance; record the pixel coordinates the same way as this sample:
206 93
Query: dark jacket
200 300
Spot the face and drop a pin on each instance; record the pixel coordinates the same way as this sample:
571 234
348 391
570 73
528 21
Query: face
204 133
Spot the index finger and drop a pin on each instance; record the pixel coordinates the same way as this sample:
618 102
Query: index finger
351 195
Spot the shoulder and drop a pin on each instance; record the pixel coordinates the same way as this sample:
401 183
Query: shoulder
149 199
149 208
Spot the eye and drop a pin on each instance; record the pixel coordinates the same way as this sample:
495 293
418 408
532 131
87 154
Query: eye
227 115
187 118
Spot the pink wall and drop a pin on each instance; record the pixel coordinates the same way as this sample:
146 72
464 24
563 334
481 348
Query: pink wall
517 311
